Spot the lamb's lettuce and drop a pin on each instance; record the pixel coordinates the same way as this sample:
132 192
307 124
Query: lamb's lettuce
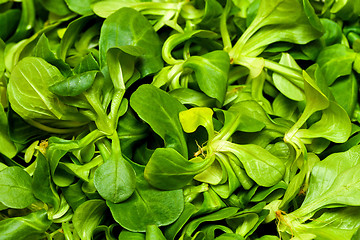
231 119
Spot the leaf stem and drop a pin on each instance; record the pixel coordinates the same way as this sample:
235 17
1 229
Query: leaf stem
223 27
50 129
115 105
293 74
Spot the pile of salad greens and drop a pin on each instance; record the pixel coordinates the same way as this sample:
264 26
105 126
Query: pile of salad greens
179 119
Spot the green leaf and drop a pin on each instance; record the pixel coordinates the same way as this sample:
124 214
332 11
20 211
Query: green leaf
161 112
246 116
15 185
130 131
335 67
126 27
80 6
31 226
316 100
20 131
336 224
332 34
294 21
42 184
42 50
88 216
87 64
192 97
127 235
8 23
211 72
27 21
82 171
291 88
346 84
261 166
171 231
333 182
269 194
115 178
224 213
154 233
74 195
121 63
147 206
74 85
334 125
56 6
28 92
7 147
194 117
71 34
168 170
230 171
296 183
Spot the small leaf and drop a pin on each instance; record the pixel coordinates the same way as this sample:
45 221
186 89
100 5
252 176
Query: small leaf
194 117
74 85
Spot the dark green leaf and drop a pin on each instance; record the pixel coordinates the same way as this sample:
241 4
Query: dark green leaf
42 184
8 23
161 112
128 27
74 85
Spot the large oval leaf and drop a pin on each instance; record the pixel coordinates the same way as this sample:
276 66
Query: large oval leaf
15 187
28 91
128 27
115 179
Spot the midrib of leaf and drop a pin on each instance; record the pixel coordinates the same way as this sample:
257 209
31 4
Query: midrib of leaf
138 38
143 200
23 188
211 65
260 160
17 97
175 126
33 225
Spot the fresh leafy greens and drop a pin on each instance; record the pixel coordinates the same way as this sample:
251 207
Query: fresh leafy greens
200 119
